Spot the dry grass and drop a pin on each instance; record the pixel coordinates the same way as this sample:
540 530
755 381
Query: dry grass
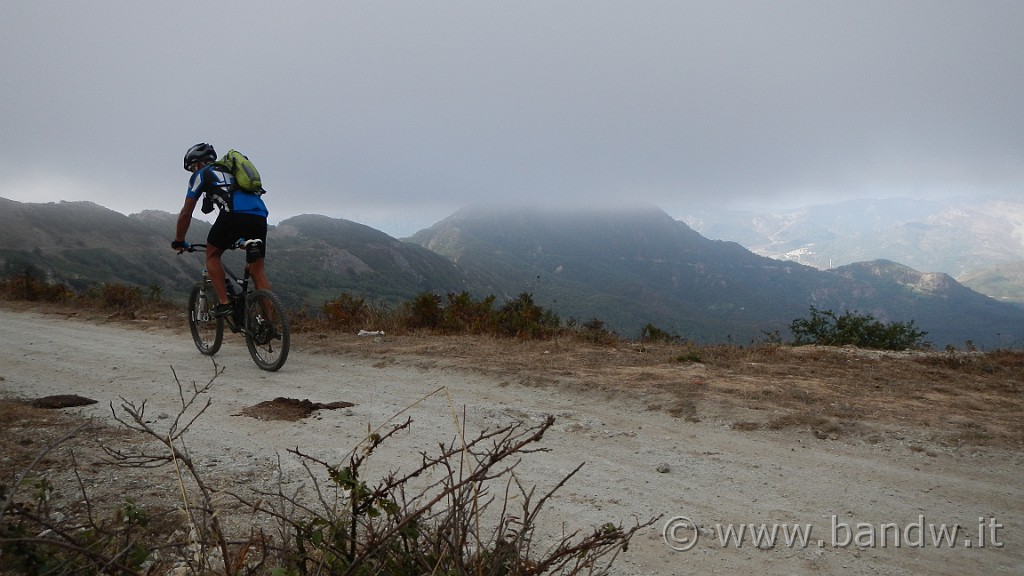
950 398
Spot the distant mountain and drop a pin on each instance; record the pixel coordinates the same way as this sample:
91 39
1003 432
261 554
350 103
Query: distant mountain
312 258
935 299
81 244
1004 282
630 268
959 236
315 258
625 268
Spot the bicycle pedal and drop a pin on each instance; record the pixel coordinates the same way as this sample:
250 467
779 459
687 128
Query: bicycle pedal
222 311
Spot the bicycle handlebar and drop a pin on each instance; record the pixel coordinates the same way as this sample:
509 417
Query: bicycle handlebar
190 248
240 243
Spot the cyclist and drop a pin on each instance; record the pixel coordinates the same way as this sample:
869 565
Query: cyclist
240 215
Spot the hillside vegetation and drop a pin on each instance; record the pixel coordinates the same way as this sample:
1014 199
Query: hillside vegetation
631 268
620 271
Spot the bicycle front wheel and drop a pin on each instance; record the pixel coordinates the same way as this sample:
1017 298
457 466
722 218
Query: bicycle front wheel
207 330
267 333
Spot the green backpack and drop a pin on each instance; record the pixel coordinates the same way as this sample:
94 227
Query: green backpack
247 178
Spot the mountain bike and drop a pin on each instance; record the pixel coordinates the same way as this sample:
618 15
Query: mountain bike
257 314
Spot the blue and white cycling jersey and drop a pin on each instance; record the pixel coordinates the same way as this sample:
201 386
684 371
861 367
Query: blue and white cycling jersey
217 185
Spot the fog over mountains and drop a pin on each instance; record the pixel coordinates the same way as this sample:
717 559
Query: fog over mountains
964 237
639 266
627 268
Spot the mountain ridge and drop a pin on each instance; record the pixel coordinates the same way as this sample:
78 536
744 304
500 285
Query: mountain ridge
628 268
645 267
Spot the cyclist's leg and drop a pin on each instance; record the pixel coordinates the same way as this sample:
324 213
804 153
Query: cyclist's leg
215 268
259 275
253 227
221 235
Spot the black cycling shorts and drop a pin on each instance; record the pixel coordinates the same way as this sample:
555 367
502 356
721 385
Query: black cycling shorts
230 227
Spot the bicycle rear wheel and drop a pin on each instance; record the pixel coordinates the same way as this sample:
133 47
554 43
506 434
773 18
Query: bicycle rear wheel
267 333
207 330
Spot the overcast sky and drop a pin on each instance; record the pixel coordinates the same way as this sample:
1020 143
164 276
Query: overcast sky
395 114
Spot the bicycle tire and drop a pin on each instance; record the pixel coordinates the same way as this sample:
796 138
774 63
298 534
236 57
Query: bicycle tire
207 330
267 333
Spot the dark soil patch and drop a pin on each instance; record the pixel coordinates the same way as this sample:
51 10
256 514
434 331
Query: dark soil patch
61 401
289 409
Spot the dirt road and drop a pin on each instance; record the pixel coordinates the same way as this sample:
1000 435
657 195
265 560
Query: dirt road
871 507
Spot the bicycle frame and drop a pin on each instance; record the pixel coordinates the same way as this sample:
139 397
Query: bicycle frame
256 313
237 289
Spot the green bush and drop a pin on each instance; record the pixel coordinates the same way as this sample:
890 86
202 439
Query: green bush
521 317
464 315
595 331
424 311
118 296
460 313
825 328
346 312
652 333
30 284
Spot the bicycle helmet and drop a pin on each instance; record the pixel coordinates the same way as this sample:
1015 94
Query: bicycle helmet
202 152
